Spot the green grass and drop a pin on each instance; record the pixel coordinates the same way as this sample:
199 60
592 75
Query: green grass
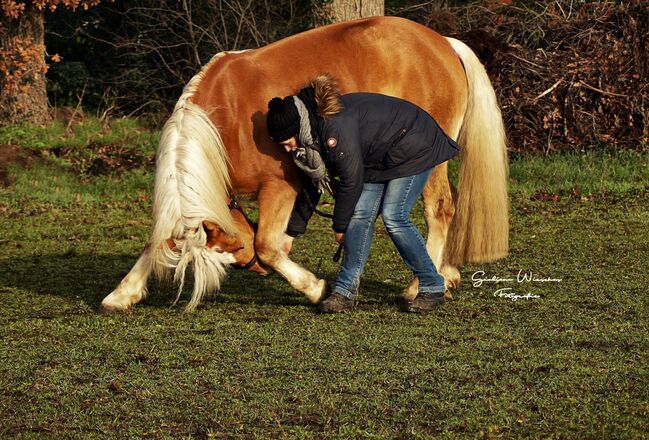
256 361
92 130
595 171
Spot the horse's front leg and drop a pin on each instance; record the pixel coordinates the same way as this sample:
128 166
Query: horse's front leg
132 288
276 201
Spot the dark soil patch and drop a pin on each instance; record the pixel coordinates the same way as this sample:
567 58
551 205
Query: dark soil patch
94 159
12 154
98 159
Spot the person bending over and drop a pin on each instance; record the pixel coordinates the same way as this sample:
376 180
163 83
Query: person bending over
382 150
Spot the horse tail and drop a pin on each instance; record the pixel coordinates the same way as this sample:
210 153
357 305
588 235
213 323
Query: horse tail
480 230
192 185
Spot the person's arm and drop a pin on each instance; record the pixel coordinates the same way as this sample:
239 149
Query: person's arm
303 209
347 161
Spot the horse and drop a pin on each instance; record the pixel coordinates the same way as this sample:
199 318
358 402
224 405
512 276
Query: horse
215 148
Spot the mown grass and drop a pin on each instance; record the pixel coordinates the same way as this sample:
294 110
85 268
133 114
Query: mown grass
92 130
256 361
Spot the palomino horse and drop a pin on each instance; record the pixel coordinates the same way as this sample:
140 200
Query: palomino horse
215 146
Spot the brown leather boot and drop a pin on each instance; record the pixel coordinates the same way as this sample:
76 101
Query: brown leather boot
336 303
423 303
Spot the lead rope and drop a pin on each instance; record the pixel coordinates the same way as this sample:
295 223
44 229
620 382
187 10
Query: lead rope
235 205
338 253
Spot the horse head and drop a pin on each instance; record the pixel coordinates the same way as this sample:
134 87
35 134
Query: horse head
241 245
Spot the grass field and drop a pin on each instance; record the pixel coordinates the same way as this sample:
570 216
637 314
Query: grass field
256 361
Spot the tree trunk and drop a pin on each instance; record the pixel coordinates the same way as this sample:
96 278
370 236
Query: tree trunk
23 97
345 10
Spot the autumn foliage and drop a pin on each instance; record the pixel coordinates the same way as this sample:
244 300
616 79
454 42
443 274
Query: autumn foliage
13 9
25 58
22 57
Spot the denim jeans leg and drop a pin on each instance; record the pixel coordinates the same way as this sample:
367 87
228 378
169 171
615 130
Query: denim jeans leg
400 196
358 239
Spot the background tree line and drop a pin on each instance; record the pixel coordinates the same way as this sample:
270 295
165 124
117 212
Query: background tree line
569 75
131 56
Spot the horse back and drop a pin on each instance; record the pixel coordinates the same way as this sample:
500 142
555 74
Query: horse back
388 55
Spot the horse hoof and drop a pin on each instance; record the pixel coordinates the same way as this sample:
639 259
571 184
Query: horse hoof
319 292
451 276
407 295
327 293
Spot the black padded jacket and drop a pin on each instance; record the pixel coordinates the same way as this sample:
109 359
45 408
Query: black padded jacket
375 138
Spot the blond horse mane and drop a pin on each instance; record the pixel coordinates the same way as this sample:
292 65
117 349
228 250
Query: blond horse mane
192 185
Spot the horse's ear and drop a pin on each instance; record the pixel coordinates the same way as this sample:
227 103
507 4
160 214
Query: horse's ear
213 233
210 227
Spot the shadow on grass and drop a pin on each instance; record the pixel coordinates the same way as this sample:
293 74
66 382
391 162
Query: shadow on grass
90 277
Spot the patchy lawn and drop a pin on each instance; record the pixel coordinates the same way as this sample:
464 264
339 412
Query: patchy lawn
256 361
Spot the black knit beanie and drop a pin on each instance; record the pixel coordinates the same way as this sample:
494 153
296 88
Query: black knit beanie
283 119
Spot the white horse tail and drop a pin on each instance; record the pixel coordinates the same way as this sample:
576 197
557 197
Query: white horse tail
480 228
192 185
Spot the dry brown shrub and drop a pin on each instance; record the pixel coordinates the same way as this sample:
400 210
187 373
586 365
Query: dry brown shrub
569 75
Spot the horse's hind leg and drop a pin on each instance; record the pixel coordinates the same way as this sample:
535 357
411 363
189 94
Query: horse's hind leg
132 288
438 210
275 205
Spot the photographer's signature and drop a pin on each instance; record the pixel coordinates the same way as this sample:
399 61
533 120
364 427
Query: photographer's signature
478 279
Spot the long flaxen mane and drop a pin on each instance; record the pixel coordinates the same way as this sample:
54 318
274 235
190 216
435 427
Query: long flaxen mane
192 185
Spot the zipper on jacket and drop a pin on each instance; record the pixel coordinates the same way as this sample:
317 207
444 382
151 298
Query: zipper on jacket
401 135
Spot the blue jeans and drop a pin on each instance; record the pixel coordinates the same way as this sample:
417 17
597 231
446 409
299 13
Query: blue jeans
394 200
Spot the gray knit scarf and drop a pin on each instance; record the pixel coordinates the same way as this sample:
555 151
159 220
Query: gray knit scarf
307 157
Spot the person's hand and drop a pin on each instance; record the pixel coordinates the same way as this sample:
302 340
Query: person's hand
340 237
287 243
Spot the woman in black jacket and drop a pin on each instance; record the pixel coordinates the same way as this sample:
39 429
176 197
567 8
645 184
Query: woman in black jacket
382 149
